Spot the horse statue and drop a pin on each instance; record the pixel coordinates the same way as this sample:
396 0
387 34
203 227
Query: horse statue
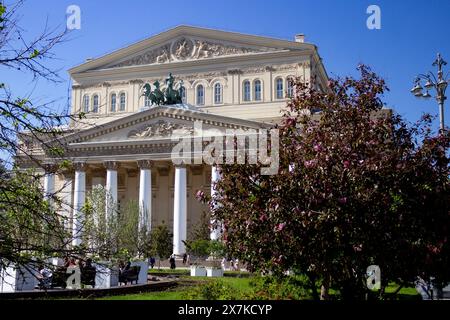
168 96
149 94
158 94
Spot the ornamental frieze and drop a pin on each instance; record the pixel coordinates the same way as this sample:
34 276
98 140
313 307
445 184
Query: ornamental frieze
162 129
185 48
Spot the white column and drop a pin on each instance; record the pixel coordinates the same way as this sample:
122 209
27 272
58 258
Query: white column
145 194
179 211
79 195
66 198
111 187
215 176
49 182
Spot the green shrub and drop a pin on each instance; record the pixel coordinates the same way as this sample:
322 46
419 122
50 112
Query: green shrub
213 290
271 288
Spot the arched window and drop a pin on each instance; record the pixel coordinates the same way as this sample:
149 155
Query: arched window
147 101
113 102
183 94
217 93
95 103
290 87
257 90
246 90
279 88
200 95
123 102
86 103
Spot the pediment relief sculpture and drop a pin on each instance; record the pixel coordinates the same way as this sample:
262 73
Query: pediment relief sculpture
186 48
161 129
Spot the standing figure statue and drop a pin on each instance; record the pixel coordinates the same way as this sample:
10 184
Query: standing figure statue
170 93
159 95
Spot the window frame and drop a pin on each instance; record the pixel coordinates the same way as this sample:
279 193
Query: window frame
255 96
220 94
278 96
86 103
95 106
122 94
246 85
111 103
197 91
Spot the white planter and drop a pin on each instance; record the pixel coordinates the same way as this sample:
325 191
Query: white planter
198 271
214 272
14 279
106 277
58 262
143 272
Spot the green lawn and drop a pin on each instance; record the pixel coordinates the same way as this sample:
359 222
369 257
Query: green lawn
179 293
242 285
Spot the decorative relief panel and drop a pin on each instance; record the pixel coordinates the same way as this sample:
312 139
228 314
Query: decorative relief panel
186 48
162 129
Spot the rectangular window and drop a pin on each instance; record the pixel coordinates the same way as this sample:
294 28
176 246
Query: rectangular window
217 93
247 91
113 103
258 90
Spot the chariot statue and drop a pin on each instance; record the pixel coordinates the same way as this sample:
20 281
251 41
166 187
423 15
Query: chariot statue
168 96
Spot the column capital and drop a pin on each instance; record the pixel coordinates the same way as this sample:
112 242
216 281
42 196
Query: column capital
50 167
181 165
111 165
145 164
80 166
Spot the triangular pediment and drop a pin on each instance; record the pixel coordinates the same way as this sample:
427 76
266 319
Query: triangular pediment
160 123
185 43
186 48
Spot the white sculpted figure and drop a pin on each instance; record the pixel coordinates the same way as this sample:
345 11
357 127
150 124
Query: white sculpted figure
182 49
163 57
202 50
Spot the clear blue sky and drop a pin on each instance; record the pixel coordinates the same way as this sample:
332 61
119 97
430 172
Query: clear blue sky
411 34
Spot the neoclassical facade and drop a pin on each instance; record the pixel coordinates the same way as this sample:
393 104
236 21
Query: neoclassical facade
231 80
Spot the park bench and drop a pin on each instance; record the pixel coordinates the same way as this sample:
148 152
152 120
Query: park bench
130 275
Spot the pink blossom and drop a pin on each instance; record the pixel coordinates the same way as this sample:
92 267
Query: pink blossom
280 227
263 217
342 200
317 148
346 164
200 195
290 122
310 163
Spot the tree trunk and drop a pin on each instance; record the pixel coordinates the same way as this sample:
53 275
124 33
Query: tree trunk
312 281
324 295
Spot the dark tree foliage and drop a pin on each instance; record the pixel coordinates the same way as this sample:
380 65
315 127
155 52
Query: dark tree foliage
357 186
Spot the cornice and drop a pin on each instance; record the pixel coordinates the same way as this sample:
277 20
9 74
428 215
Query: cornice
167 112
180 67
217 35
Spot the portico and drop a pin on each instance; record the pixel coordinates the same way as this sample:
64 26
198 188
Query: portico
135 163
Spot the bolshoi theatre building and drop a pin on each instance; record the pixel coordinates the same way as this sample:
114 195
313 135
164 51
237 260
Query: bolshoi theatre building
124 143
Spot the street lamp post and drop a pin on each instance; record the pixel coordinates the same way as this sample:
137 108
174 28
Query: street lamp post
439 84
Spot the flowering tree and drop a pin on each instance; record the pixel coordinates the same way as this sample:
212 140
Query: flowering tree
357 186
31 230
